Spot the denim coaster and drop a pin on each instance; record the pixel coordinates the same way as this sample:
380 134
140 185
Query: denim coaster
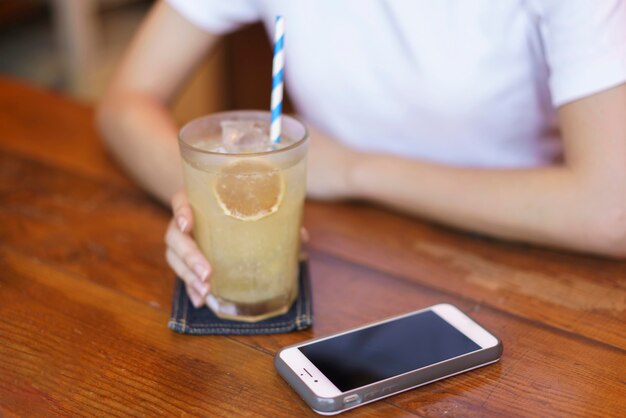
188 320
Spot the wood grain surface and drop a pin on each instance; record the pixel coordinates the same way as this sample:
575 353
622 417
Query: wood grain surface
85 296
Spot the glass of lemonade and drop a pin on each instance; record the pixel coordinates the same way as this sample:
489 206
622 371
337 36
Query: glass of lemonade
247 196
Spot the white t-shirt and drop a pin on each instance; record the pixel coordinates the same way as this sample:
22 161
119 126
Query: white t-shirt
465 82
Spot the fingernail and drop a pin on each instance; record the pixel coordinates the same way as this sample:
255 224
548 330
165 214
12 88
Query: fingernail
195 300
201 271
202 288
182 222
304 235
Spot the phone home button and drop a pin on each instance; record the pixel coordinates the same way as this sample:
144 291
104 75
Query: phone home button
350 398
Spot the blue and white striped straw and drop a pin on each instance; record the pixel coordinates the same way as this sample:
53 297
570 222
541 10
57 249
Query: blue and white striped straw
277 79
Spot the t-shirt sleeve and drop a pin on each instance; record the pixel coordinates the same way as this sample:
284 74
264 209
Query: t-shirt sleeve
217 16
585 45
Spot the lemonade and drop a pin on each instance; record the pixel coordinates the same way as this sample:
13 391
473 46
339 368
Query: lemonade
247 213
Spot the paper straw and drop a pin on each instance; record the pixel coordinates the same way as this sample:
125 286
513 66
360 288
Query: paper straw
277 79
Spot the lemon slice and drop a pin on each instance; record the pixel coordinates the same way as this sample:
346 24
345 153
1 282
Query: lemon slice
249 189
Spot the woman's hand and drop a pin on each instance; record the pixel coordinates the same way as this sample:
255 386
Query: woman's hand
183 254
330 166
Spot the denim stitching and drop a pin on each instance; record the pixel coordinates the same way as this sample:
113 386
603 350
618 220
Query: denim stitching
243 326
174 306
307 301
300 295
289 322
182 323
177 303
225 331
300 321
185 307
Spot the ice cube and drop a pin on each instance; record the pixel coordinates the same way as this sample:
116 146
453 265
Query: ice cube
241 136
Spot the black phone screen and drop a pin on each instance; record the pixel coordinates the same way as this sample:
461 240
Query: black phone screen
375 353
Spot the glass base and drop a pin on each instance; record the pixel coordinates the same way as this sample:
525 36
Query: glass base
249 312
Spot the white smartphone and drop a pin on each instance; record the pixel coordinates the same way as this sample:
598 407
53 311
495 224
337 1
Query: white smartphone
364 364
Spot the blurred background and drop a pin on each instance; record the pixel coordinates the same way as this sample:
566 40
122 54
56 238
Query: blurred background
73 46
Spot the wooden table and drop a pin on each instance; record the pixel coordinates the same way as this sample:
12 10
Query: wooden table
85 296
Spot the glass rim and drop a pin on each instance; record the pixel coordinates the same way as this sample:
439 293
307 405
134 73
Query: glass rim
296 144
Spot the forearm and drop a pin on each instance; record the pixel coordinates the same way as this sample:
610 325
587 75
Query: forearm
551 206
133 116
141 134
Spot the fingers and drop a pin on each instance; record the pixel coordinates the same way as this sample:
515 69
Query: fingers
196 289
183 245
182 212
183 255
186 259
196 299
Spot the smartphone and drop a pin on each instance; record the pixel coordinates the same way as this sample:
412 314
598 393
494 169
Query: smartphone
364 364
